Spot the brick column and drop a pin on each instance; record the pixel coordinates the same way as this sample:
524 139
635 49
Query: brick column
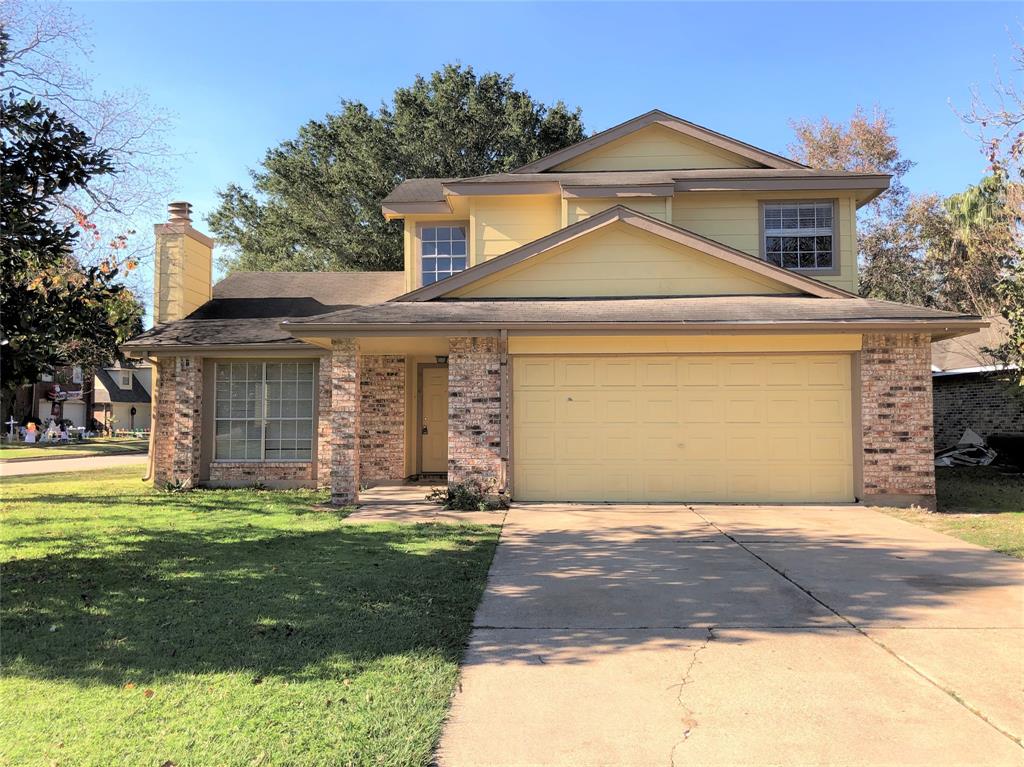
382 417
896 420
474 411
344 420
179 405
324 387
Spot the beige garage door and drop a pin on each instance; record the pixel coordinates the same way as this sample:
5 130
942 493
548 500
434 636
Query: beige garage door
730 428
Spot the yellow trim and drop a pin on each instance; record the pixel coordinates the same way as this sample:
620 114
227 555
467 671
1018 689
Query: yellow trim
717 344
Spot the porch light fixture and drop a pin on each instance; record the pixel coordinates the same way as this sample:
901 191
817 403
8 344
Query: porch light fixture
441 359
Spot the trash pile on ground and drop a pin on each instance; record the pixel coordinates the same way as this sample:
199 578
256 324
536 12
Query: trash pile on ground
971 450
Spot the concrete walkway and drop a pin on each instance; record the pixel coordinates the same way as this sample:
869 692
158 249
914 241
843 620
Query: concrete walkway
661 635
87 463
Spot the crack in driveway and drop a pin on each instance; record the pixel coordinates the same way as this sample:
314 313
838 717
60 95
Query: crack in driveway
899 658
689 723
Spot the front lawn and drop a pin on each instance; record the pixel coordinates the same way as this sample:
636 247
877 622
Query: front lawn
95 446
982 505
229 627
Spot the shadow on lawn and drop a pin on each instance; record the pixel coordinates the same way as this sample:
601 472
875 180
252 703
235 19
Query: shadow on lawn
188 602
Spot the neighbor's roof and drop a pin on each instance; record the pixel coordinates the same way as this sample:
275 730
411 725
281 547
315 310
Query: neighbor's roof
248 307
115 393
967 354
698 313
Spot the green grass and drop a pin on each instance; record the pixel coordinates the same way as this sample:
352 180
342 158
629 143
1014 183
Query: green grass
981 505
224 627
97 446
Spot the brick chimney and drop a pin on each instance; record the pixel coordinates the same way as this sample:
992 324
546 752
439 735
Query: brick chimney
183 271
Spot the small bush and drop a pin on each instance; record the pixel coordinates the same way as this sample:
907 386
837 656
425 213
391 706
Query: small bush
469 496
175 486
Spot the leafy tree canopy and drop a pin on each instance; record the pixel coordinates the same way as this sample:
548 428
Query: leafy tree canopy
53 311
315 201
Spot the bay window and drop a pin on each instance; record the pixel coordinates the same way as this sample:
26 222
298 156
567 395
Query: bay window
263 411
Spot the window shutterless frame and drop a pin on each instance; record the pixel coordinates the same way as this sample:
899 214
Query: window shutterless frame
836 267
256 410
419 255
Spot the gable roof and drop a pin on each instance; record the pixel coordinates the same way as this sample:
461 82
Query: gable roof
630 217
657 117
115 393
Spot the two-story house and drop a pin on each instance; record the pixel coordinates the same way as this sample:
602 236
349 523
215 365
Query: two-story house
657 313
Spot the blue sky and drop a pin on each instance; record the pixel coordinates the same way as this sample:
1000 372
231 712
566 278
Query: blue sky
241 77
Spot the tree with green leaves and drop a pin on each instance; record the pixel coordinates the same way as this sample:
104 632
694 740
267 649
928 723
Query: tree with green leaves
315 201
53 310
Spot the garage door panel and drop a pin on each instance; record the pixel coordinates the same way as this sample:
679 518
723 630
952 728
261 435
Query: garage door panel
618 406
729 428
536 407
577 408
834 372
576 373
616 373
699 372
660 408
534 372
748 410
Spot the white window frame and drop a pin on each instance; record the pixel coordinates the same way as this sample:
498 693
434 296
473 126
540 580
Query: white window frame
76 374
126 379
420 255
263 418
832 232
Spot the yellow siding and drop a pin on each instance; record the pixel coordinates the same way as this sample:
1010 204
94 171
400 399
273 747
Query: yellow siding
411 240
619 261
656 207
184 276
501 224
733 218
656 148
704 428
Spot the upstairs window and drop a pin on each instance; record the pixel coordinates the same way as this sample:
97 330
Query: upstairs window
126 379
76 374
443 251
799 235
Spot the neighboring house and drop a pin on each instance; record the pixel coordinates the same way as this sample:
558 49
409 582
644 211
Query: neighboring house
65 393
971 390
122 396
657 313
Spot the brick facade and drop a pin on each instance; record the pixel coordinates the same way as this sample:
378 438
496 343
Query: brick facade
382 416
896 419
179 405
345 421
474 411
985 402
249 472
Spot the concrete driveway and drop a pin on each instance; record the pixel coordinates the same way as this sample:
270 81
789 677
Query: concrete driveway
716 635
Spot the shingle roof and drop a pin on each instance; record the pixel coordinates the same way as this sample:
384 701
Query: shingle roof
431 189
248 307
115 393
967 352
694 310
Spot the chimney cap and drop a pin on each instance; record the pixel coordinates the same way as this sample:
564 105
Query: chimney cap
179 212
